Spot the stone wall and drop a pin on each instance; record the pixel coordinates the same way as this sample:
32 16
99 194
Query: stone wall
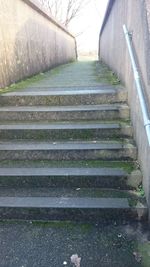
113 51
31 41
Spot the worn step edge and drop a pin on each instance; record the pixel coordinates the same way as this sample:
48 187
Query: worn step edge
35 208
64 202
37 126
102 107
61 92
74 145
67 90
60 126
61 172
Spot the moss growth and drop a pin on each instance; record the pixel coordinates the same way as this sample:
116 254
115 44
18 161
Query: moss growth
84 135
56 224
105 75
23 84
58 69
34 79
84 227
97 72
144 251
69 225
141 191
132 196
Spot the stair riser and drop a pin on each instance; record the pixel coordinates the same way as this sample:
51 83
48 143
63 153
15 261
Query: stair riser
64 100
65 182
73 214
65 115
66 134
91 154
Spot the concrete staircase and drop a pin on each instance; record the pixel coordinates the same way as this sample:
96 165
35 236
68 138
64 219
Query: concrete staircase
68 154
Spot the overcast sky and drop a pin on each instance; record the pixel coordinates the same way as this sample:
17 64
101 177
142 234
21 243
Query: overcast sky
89 22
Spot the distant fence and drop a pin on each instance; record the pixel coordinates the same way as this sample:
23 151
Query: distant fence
31 41
135 14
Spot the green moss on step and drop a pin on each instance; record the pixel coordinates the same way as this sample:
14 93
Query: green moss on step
105 75
84 227
132 196
69 225
141 191
144 251
82 74
58 69
56 224
34 79
23 84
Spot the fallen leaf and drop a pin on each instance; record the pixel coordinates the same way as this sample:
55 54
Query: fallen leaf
75 260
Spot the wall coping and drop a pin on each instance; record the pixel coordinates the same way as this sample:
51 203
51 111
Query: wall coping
38 7
107 13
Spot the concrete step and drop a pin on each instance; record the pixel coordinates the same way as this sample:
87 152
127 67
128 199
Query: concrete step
78 173
105 150
64 130
65 177
91 205
82 96
127 166
67 113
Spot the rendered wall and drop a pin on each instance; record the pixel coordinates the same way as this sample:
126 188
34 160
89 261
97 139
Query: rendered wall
30 41
113 51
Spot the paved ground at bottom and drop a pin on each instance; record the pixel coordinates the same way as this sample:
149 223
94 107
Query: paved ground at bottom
49 244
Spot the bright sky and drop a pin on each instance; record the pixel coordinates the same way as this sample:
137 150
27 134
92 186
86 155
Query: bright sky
89 22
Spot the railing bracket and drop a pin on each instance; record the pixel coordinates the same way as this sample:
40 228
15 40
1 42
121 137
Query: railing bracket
147 124
130 34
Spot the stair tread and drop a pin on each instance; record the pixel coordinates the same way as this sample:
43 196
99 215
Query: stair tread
128 166
61 171
34 125
75 145
64 108
62 92
68 192
64 202
65 90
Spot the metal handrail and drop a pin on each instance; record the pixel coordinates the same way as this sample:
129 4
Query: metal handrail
138 82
